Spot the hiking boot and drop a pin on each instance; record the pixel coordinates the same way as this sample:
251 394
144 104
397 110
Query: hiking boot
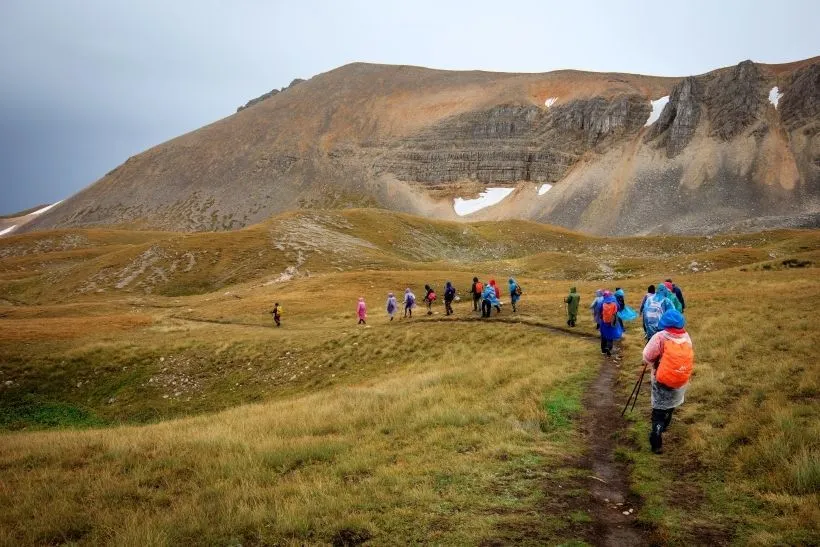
655 438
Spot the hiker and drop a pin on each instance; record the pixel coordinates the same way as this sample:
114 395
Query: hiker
392 305
361 311
429 298
489 300
671 356
476 289
678 294
654 308
608 323
449 296
494 285
572 301
409 302
672 297
515 292
596 306
277 314
650 292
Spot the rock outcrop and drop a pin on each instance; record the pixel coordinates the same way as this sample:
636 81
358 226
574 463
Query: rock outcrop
679 119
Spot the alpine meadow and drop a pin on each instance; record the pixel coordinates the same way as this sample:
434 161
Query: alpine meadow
573 304
148 398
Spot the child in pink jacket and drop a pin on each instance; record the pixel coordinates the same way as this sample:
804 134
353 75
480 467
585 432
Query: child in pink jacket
361 311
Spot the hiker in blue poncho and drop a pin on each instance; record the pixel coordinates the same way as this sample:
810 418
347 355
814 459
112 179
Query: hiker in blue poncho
596 307
655 306
489 300
515 292
611 330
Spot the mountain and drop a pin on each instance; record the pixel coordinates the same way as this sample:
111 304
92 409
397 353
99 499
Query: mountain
727 152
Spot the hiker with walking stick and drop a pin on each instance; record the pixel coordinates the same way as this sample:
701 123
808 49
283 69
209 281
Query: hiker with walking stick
671 356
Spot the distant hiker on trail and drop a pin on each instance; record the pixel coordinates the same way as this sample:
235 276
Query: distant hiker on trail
409 302
277 314
449 296
678 294
655 307
608 323
573 300
650 292
596 307
672 297
429 298
361 311
476 289
515 292
671 356
488 301
392 305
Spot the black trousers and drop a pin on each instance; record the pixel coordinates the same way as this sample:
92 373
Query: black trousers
476 300
486 308
606 345
448 306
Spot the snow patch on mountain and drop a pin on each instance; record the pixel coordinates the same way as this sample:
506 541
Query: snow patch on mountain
491 196
657 108
775 95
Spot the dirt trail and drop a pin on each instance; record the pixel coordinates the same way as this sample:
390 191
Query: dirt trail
608 484
613 508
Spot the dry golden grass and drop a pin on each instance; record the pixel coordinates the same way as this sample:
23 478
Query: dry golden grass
427 430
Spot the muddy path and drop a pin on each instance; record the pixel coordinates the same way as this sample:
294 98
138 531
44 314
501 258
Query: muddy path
613 508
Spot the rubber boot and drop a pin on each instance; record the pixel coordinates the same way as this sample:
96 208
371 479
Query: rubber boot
656 438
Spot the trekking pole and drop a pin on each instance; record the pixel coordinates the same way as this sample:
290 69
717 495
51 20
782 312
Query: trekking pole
638 392
635 390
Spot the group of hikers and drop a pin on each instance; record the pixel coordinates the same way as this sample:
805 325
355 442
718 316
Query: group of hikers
668 348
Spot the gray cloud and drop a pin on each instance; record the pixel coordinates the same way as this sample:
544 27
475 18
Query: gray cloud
85 84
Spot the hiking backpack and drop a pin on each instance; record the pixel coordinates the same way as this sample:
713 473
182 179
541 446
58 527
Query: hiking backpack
479 287
676 363
609 312
410 300
518 290
652 312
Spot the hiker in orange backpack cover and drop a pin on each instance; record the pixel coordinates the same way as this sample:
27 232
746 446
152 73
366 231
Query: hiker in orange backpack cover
671 356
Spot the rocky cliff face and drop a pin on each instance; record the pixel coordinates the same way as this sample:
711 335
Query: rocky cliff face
407 138
513 143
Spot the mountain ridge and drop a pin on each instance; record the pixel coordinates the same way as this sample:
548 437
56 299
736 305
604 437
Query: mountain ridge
411 138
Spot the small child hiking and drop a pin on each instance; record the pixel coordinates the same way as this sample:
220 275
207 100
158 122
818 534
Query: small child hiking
277 314
392 305
476 289
429 298
449 296
361 311
608 324
669 352
515 292
409 302
573 300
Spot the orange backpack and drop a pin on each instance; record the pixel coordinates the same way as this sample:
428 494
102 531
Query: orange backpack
676 364
608 312
479 287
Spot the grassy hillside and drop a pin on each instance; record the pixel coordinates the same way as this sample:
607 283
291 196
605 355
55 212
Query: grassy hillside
147 402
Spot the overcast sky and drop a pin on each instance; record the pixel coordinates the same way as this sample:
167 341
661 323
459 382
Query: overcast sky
84 84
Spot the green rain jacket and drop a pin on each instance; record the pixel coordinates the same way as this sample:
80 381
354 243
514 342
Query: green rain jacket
572 301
